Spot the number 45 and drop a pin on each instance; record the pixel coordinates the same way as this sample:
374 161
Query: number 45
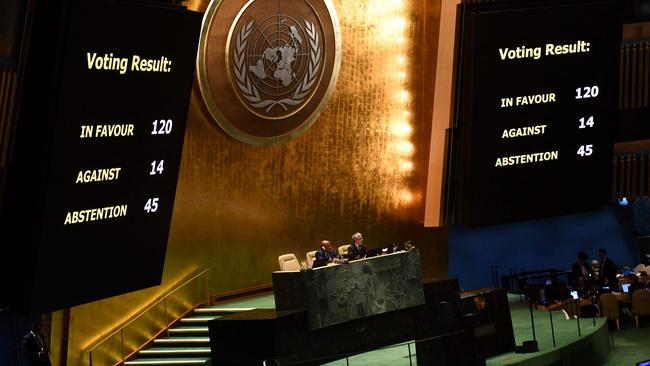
585 150
152 205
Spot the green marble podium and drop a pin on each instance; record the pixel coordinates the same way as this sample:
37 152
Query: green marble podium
337 294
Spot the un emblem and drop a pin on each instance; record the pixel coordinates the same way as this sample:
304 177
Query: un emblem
267 76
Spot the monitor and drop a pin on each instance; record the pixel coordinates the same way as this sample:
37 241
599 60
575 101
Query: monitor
626 287
373 252
536 104
321 262
548 282
91 191
574 295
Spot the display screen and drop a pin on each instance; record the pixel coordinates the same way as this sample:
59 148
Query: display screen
113 132
536 109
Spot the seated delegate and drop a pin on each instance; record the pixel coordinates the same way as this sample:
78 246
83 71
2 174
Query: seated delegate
357 250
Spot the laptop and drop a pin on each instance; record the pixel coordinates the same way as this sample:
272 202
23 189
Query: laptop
319 263
373 252
574 295
626 287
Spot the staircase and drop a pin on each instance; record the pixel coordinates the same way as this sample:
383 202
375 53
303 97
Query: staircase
187 343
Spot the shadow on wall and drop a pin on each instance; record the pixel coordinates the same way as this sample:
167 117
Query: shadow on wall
540 244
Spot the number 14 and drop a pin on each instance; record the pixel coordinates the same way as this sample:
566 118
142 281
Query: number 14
157 168
588 123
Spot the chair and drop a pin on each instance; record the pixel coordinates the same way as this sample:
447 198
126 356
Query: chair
311 257
640 268
343 250
289 262
572 308
640 304
609 308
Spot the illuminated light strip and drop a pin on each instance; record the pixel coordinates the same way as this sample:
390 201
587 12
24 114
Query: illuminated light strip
171 351
189 330
197 319
225 310
179 361
181 340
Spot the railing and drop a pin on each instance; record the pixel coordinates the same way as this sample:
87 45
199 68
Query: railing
356 358
506 281
153 321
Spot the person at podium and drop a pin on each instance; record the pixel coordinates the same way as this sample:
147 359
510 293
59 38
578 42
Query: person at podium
327 253
357 250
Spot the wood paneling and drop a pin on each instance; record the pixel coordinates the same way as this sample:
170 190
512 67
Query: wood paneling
634 75
8 88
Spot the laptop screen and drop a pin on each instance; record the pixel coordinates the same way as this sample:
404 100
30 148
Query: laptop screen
626 287
574 294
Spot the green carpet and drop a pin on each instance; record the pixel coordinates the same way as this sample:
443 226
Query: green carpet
592 344
630 346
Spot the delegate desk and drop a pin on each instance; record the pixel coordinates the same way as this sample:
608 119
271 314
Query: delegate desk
337 294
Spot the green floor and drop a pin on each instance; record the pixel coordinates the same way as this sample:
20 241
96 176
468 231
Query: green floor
630 346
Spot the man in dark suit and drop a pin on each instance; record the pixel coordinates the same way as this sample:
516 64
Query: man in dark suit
35 347
607 270
326 252
582 275
357 250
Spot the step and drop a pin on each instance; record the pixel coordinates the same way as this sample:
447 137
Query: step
175 351
170 361
178 341
220 310
188 331
199 319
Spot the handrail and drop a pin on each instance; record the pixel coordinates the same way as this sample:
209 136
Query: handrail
148 308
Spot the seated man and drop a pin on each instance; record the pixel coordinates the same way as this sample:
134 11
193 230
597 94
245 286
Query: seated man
634 284
357 250
326 252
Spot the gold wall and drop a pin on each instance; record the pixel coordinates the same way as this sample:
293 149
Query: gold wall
361 167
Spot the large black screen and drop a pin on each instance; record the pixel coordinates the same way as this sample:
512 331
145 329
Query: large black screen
536 107
92 183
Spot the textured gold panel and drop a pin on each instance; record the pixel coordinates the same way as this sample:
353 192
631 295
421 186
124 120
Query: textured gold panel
361 167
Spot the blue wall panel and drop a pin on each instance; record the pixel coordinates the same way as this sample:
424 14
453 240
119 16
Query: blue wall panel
540 244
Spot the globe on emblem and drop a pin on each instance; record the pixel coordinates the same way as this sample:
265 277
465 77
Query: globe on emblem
276 63
278 57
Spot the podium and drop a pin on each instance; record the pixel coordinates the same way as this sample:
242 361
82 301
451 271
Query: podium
250 337
362 288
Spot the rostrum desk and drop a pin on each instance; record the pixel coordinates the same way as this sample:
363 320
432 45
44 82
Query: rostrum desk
342 310
341 293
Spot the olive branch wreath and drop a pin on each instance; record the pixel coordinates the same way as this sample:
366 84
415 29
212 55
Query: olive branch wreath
250 91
